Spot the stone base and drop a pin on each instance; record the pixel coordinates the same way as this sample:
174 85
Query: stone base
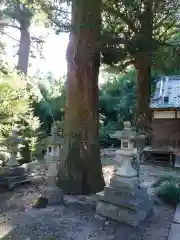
54 195
126 205
12 181
122 214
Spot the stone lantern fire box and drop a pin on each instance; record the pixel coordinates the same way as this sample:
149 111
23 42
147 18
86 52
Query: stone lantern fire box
124 200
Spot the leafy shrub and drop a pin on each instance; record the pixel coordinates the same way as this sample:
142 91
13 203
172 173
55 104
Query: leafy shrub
168 189
105 131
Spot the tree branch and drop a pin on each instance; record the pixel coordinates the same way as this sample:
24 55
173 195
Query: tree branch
122 16
8 35
14 39
9 25
120 68
169 27
157 25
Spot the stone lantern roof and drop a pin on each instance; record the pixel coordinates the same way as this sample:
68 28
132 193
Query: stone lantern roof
127 133
13 138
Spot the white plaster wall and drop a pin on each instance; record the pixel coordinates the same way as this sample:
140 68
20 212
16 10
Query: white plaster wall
164 114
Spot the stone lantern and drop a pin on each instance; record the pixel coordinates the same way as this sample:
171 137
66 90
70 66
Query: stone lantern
124 200
13 174
52 194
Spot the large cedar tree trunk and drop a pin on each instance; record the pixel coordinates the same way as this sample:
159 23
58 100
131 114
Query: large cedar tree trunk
143 61
81 170
143 114
24 50
24 18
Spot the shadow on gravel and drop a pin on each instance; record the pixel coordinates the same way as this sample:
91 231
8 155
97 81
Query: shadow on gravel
77 222
73 222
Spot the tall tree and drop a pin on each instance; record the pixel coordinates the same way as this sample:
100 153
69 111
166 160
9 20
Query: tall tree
133 31
82 170
20 16
24 17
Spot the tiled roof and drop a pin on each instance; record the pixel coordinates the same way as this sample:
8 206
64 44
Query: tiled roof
167 93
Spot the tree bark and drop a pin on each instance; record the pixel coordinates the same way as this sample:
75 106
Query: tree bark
143 62
24 50
143 68
81 170
24 17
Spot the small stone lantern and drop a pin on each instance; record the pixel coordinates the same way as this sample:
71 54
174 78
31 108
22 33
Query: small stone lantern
52 193
13 174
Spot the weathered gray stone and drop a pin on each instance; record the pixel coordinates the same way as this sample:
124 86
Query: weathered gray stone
174 232
51 192
139 193
100 195
122 214
12 176
176 218
126 184
122 199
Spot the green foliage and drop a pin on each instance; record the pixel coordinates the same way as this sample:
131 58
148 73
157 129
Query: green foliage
161 180
117 102
134 27
16 110
50 103
118 97
107 129
166 59
168 189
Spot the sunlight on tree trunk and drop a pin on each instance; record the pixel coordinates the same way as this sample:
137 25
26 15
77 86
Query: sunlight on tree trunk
82 172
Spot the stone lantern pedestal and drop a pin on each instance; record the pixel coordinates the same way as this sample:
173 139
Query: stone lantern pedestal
13 174
124 200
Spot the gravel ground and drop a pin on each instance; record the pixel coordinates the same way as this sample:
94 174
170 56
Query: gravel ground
74 221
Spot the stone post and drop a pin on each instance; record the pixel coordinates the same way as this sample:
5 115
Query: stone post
51 192
124 200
